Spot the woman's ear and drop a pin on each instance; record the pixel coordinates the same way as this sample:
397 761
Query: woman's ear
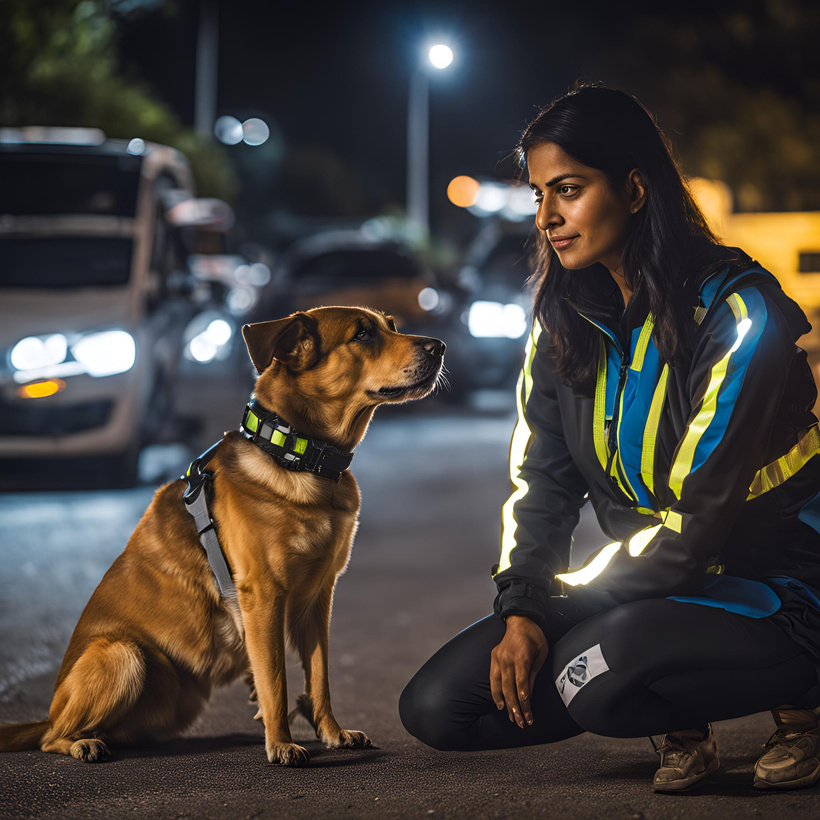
637 191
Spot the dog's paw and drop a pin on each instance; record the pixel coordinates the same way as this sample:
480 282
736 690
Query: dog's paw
90 750
347 740
288 754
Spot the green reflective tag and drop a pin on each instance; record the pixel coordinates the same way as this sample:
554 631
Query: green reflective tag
278 438
252 422
301 445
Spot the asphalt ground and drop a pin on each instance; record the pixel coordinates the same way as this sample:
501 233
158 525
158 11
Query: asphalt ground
433 478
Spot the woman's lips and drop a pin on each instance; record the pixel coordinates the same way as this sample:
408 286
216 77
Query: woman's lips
560 244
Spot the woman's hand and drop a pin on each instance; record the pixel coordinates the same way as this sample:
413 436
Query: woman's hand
514 663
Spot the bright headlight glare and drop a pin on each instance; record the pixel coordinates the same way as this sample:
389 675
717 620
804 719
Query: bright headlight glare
35 352
208 336
495 320
429 299
106 353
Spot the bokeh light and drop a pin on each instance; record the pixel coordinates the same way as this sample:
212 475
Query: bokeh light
463 190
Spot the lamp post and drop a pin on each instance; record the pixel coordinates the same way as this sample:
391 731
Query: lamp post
418 212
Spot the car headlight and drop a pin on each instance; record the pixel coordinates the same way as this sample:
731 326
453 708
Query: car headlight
208 337
106 353
35 352
496 320
102 353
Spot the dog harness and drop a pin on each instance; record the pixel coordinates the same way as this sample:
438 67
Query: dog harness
289 449
196 502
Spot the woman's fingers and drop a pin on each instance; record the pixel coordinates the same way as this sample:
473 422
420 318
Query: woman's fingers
495 682
523 685
508 686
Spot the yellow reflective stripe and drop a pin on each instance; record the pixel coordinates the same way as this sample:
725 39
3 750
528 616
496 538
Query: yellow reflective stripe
599 410
278 438
738 307
518 447
252 422
650 435
593 569
700 424
643 343
700 314
616 462
673 521
638 542
779 471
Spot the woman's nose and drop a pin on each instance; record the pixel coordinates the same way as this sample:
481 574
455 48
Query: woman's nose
546 216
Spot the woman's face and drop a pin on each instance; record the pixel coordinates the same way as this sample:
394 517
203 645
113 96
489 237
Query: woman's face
585 219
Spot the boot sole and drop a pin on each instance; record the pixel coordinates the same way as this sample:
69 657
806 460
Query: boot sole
683 785
801 782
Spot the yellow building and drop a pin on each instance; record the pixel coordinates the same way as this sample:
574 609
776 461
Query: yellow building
787 244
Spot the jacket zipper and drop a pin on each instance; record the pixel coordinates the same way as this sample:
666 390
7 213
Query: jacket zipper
612 438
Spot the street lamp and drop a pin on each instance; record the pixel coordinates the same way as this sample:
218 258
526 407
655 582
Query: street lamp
440 56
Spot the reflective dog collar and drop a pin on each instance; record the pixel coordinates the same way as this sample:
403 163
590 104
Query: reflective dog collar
290 449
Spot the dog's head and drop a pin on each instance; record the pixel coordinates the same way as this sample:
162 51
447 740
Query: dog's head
335 362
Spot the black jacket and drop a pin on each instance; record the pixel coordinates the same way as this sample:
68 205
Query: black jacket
740 403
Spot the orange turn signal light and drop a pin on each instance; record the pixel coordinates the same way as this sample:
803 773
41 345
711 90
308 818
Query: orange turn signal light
37 390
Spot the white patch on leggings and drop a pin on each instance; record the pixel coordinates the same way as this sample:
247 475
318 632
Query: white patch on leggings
579 672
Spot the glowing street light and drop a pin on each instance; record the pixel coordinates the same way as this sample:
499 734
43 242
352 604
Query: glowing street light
418 137
441 56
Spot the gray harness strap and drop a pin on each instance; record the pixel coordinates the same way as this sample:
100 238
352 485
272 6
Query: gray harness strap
196 502
198 508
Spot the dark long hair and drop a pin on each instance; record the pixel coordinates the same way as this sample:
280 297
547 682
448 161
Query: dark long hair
611 131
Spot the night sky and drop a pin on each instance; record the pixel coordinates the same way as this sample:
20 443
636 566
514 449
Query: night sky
336 76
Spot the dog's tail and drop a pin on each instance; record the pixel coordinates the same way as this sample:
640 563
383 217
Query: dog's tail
22 737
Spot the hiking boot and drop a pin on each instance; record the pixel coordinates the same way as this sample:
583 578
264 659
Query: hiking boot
792 756
686 758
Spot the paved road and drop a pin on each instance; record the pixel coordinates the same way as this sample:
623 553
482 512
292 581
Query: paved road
433 479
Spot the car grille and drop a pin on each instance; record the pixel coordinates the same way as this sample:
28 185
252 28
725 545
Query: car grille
31 419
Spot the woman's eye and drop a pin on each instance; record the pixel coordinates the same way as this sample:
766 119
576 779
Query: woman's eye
364 335
567 190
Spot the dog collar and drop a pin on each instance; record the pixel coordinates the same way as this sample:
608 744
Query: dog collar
290 449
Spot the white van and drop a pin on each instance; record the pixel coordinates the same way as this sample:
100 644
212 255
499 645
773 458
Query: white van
94 299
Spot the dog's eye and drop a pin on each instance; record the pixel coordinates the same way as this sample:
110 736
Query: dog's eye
364 335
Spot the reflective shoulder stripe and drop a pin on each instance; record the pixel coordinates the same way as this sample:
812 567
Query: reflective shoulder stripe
685 455
779 471
518 448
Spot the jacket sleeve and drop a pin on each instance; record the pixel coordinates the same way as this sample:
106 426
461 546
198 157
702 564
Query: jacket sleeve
539 517
737 378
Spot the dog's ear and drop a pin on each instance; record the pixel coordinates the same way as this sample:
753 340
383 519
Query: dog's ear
292 341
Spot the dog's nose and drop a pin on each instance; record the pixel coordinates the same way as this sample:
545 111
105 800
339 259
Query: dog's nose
435 347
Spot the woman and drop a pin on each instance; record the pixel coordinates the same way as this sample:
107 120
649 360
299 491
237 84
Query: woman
662 382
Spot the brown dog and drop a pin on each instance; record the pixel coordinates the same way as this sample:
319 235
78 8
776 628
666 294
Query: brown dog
157 636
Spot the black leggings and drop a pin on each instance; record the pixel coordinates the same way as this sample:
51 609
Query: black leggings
643 668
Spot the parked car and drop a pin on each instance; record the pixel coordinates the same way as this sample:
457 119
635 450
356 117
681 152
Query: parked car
493 305
347 268
96 298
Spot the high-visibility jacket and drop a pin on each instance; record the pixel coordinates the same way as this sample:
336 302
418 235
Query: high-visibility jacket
705 466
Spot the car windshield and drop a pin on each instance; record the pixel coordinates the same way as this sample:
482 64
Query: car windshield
64 261
354 268
68 184
507 262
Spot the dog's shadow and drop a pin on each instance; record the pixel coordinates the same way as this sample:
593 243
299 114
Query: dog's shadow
320 756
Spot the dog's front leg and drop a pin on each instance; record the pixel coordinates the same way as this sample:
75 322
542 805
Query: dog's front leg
310 626
263 613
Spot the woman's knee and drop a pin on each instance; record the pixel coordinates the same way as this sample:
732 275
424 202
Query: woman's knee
426 713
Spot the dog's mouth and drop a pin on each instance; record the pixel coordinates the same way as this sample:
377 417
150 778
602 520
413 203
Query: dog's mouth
416 390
